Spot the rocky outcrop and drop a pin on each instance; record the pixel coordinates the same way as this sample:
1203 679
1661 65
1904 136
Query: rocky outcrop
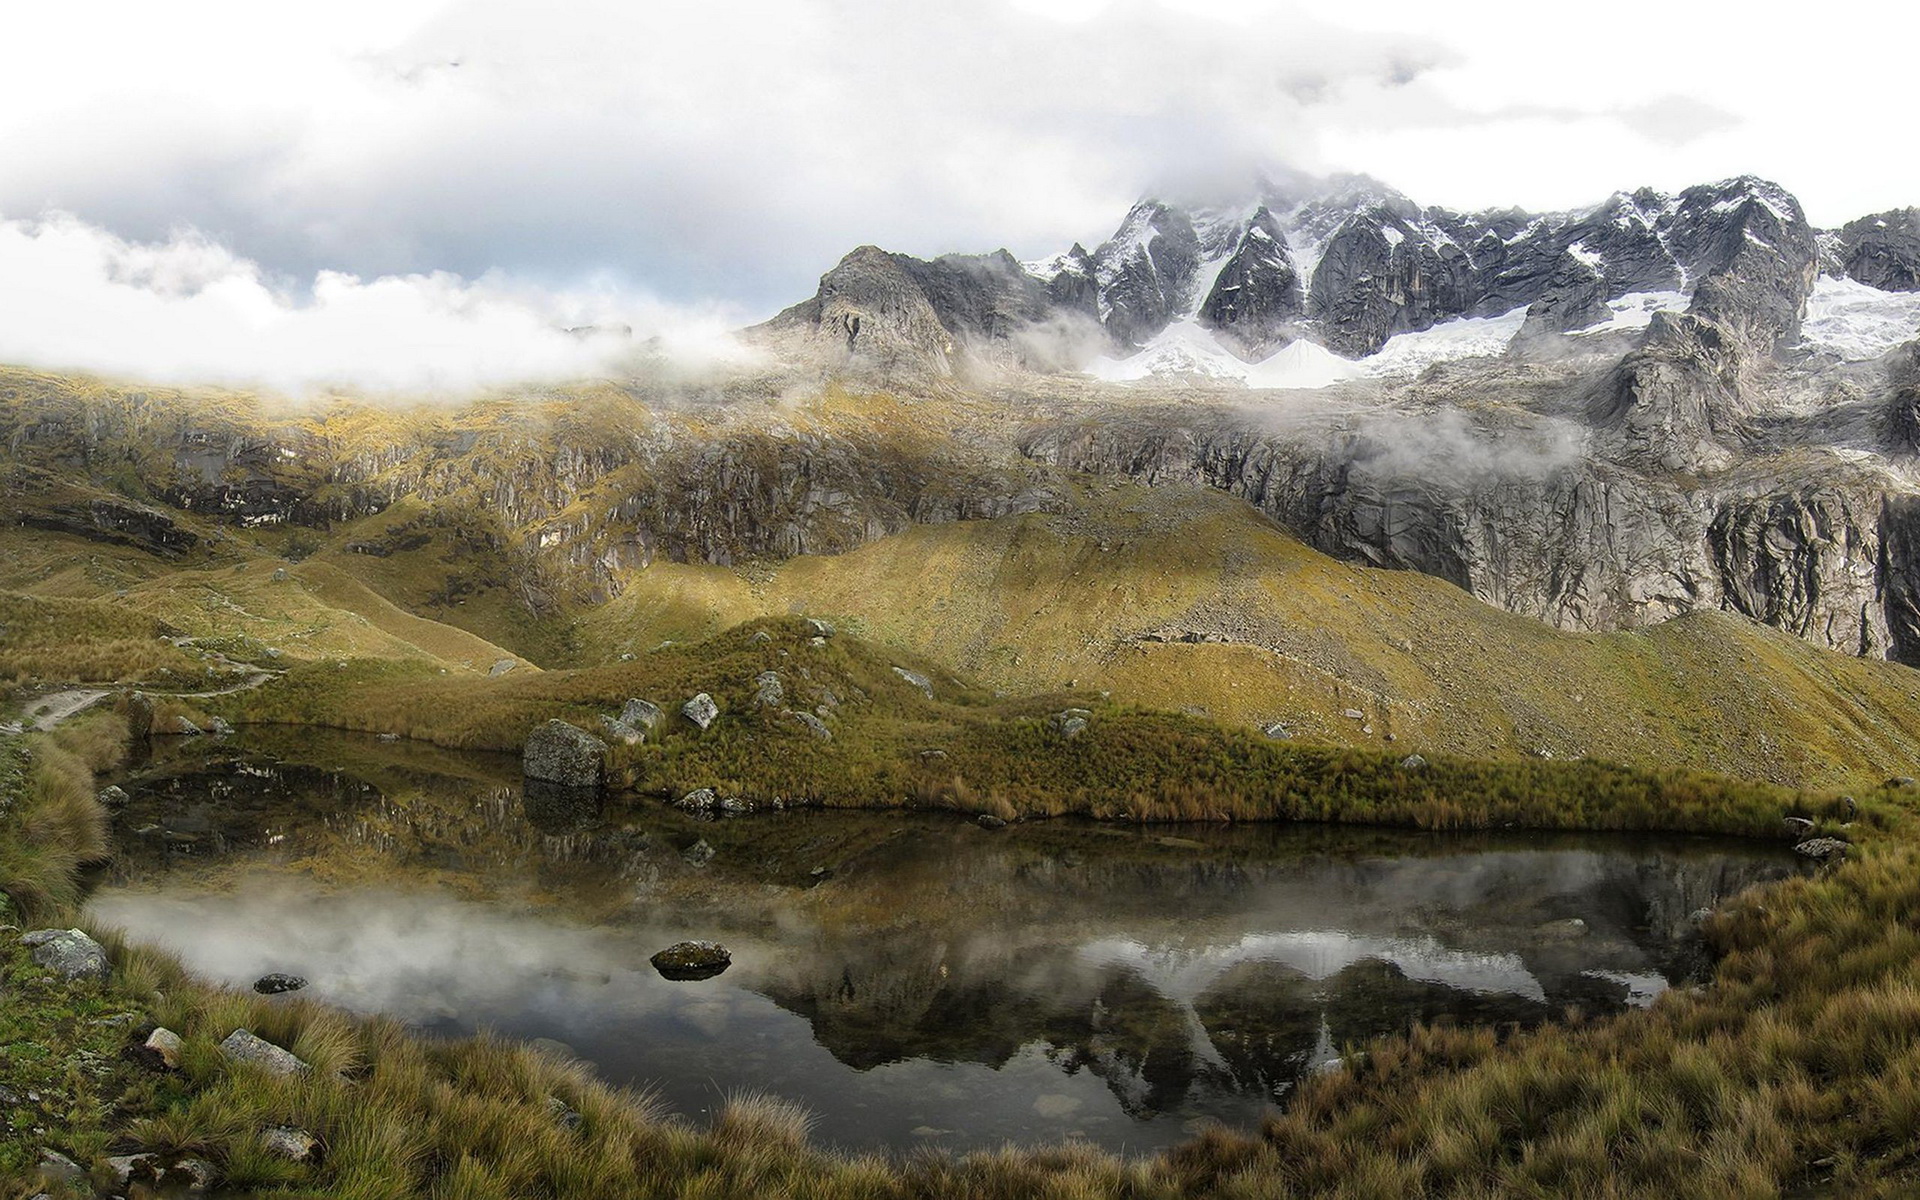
1146 272
1883 250
1805 561
1257 301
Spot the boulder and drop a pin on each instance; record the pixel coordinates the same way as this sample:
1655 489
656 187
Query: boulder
242 1046
276 983
219 727
819 627
621 732
760 637
1822 849
1799 825
1413 762
692 960
183 727
989 821
1353 714
56 1170
699 800
769 692
701 710
557 752
164 1044
68 953
1070 723
113 796
641 714
501 668
563 1115
916 680
1277 732
294 1145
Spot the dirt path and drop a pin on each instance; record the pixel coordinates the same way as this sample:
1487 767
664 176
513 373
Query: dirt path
54 707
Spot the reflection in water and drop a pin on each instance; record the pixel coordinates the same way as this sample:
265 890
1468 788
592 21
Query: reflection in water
911 979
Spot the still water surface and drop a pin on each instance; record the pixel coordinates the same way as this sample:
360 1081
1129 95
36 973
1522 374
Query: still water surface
910 978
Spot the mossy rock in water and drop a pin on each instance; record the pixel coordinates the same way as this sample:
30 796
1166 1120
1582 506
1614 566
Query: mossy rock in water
692 960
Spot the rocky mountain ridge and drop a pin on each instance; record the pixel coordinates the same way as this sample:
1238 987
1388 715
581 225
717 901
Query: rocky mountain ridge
1346 263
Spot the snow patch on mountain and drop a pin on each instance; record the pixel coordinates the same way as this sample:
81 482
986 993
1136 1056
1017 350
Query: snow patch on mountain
1856 322
1635 311
1467 337
1188 351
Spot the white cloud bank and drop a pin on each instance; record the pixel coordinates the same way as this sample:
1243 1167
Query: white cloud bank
190 311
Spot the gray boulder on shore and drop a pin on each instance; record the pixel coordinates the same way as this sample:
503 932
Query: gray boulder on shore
68 953
557 752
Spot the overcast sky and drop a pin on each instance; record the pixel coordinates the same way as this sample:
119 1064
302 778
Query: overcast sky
688 165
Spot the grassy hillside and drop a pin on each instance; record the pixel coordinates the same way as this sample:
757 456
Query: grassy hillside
1284 634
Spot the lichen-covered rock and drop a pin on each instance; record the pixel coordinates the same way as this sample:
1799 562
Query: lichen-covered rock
701 710
699 800
113 796
1822 849
641 714
278 982
68 953
242 1046
558 752
621 732
692 960
501 668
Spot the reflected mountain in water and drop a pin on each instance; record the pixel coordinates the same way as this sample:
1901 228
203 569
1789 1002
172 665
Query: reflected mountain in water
911 978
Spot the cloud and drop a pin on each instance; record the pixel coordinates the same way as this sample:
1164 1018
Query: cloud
735 149
189 310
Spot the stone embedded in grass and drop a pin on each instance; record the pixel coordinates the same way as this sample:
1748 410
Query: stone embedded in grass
769 692
1799 825
275 983
621 732
701 710
501 668
1277 732
815 725
819 627
641 714
68 953
1822 849
557 752
686 961
1070 723
243 1047
151 1171
760 637
165 1045
699 800
114 796
294 1145
1353 714
563 1115
56 1169
917 680
1413 762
